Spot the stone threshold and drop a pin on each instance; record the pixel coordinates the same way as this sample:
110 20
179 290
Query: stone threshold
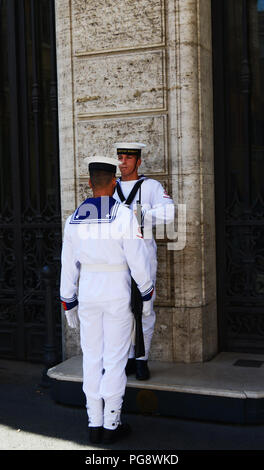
229 388
218 377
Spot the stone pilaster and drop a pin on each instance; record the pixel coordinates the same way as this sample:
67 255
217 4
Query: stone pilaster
192 173
142 71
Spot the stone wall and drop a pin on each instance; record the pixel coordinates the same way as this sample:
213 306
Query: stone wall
141 70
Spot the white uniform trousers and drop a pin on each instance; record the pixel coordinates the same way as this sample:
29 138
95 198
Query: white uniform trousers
105 333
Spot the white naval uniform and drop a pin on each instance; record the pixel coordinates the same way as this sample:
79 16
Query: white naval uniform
157 208
102 253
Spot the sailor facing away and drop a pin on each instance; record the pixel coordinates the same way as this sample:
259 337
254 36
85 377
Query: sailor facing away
147 196
102 248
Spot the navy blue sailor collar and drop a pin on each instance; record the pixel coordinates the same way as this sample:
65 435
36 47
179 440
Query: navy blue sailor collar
96 210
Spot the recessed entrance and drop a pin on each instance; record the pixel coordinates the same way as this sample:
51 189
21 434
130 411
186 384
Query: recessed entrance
30 223
238 60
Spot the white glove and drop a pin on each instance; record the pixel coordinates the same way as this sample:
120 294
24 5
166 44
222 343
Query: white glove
72 317
146 311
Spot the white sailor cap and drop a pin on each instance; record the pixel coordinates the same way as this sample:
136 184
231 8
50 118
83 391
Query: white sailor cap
100 162
133 148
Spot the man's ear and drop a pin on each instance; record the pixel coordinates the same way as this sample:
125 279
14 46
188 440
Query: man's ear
90 183
138 162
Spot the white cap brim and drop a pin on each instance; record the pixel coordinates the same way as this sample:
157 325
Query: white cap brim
129 145
102 159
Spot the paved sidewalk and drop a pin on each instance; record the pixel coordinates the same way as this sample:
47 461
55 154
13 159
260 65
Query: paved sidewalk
31 420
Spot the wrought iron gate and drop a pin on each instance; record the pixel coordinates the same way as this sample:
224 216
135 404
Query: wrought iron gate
238 47
30 224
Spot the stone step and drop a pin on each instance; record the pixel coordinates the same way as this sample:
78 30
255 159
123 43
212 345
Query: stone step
229 388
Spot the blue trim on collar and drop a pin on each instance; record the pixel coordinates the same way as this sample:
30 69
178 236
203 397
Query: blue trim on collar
96 210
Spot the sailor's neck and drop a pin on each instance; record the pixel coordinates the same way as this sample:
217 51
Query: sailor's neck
101 194
128 180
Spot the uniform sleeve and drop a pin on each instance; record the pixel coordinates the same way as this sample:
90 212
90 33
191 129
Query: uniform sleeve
162 206
137 257
69 272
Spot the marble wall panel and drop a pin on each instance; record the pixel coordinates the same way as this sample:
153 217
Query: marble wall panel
188 275
191 87
187 334
181 335
106 84
195 281
97 137
194 333
108 24
205 32
162 341
84 191
164 290
206 113
194 266
71 340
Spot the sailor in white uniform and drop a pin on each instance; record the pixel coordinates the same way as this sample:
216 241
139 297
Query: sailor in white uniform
102 248
149 196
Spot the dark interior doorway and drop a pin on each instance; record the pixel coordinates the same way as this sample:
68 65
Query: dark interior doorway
30 220
238 65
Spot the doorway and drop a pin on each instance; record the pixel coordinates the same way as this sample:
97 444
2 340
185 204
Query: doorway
30 219
238 66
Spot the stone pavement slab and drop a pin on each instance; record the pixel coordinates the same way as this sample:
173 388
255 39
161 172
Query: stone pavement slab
31 420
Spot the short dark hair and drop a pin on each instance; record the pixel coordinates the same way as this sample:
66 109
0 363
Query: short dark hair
101 178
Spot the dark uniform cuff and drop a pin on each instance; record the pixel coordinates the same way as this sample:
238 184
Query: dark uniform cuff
147 294
69 305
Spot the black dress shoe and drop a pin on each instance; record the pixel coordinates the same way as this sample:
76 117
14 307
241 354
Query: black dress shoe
142 370
95 434
131 366
111 436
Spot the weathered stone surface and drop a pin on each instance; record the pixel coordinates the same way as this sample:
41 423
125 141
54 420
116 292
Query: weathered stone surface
163 341
71 341
187 331
84 191
109 24
194 333
65 107
120 83
164 291
97 137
